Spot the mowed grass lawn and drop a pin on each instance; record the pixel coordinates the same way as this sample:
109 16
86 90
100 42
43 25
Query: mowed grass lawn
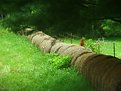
106 46
24 68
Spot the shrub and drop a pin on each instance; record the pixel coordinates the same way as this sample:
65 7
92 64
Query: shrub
59 61
111 28
92 45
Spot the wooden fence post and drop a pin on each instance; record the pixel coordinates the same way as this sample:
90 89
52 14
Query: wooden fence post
98 47
114 50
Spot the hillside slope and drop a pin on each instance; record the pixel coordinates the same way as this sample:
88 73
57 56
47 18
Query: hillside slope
24 68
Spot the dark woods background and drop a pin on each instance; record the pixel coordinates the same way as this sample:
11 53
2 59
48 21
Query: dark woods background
90 18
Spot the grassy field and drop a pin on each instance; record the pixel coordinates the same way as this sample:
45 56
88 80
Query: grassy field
24 68
104 46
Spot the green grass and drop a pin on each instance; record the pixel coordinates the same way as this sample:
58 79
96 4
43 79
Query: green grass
23 67
106 45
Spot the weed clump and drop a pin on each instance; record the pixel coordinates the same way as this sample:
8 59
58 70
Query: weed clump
59 62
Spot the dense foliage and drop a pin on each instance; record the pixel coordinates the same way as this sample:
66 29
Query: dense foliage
83 17
59 61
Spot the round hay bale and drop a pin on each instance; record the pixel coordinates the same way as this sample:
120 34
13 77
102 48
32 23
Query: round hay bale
97 68
99 74
35 39
46 45
77 54
92 60
38 39
112 77
79 61
30 37
56 47
70 51
79 51
64 48
92 63
45 37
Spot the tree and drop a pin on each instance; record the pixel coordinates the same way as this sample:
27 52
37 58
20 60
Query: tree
61 15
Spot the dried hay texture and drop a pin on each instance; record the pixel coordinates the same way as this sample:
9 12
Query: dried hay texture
64 48
112 78
79 61
46 45
79 51
71 50
77 54
99 69
38 39
43 41
30 37
56 47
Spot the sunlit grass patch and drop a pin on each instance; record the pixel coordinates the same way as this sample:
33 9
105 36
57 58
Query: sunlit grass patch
23 67
105 46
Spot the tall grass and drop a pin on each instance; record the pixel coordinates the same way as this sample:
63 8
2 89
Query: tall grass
23 67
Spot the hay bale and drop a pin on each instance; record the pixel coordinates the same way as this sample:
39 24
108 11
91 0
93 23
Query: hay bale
36 36
70 51
46 45
56 47
97 68
77 54
114 78
38 39
91 62
30 37
79 51
111 77
42 38
64 48
79 61
43 41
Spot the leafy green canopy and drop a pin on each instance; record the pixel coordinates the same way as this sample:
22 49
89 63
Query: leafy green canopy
53 16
